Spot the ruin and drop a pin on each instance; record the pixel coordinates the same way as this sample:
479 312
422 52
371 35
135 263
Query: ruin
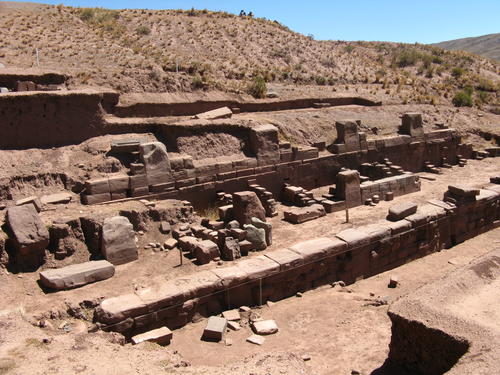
211 194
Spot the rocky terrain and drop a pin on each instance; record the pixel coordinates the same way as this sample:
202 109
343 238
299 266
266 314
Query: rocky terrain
485 45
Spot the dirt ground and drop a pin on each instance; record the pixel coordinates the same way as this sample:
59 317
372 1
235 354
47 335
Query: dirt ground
347 332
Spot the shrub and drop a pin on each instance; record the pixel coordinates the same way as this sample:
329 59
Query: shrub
258 87
457 72
408 57
197 82
143 30
86 14
349 48
320 80
462 99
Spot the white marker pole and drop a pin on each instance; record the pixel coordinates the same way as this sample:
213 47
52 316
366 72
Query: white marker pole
37 58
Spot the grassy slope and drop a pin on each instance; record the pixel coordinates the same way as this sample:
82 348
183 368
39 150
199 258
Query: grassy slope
141 50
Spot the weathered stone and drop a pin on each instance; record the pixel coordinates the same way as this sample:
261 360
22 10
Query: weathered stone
319 248
226 213
188 243
161 336
76 275
401 210
165 227
246 205
57 198
214 114
231 315
170 244
268 227
235 326
256 339
30 200
155 158
231 249
348 188
97 186
215 329
412 125
264 144
30 237
265 327
463 190
303 214
206 251
245 247
118 240
347 133
256 236
116 309
393 282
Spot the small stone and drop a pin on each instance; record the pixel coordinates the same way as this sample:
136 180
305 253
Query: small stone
245 309
299 294
306 357
228 342
265 327
170 243
256 339
355 372
141 233
231 315
235 326
393 282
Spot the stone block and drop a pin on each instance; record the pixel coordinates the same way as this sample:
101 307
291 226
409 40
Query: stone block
354 238
30 200
245 247
161 336
97 186
401 210
259 267
462 190
30 237
303 214
256 236
412 125
318 248
116 309
76 275
347 133
264 144
119 183
125 146
231 249
96 198
265 327
286 258
188 243
118 240
231 276
246 205
57 198
348 188
155 159
268 228
215 329
223 112
206 251
138 181
231 315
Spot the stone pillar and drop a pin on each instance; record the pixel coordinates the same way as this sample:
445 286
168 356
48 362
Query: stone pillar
347 133
264 144
412 125
348 188
155 158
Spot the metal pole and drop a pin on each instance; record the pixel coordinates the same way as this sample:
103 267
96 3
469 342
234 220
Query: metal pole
180 253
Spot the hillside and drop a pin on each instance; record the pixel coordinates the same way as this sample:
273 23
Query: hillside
485 45
175 50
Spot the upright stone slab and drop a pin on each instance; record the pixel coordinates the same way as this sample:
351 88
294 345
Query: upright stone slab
118 240
264 144
29 236
348 188
77 275
246 205
412 125
256 236
347 133
231 249
155 158
268 227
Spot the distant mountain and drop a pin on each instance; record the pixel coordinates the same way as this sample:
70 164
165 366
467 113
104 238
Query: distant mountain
486 45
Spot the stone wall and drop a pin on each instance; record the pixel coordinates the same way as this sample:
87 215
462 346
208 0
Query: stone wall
349 255
200 185
49 119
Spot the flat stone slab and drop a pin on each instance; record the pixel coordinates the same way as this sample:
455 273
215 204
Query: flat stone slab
402 210
223 112
256 339
265 327
77 275
354 237
286 258
463 190
303 214
231 315
318 248
161 336
59 198
215 328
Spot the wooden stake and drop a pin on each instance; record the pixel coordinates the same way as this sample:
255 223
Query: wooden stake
346 212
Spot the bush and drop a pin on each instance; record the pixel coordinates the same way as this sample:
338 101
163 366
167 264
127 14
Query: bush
143 30
457 72
258 87
349 48
462 99
197 82
86 14
407 57
320 80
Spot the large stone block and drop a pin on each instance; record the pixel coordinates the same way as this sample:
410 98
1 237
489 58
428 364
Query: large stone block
259 267
161 336
318 248
30 237
206 251
268 227
246 205
348 188
118 240
116 309
155 158
264 144
256 236
347 133
214 114
77 275
303 214
412 125
286 258
215 329
401 210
